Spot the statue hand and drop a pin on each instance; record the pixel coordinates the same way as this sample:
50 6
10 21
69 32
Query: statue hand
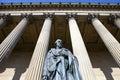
44 77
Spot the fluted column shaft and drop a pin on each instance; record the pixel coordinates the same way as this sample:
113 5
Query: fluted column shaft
2 22
10 41
117 22
111 43
34 71
80 51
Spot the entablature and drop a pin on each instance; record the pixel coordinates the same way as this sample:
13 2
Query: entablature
59 6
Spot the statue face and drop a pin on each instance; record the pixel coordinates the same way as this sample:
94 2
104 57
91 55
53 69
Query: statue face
58 43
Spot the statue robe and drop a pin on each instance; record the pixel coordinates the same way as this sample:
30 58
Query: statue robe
60 64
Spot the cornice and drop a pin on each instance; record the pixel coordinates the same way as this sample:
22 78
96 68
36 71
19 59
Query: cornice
50 5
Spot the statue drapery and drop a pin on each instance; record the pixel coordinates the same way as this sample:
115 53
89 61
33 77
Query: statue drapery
60 64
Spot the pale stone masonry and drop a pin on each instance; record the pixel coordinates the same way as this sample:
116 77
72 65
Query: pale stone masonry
117 22
79 50
2 22
34 71
11 40
110 42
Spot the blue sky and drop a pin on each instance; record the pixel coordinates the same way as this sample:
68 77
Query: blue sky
96 1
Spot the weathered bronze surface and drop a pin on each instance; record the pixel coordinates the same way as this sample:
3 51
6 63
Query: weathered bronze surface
60 64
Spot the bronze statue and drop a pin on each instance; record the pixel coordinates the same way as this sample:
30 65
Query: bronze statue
60 64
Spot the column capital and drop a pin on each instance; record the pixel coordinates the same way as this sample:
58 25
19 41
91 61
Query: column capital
26 15
92 16
48 15
112 17
5 16
29 17
71 15
115 15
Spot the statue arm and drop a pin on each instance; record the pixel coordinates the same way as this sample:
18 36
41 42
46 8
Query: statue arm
75 66
68 53
74 58
76 72
71 55
70 58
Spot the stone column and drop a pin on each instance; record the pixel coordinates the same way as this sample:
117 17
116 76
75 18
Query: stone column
110 42
117 22
10 41
115 19
80 51
34 71
3 20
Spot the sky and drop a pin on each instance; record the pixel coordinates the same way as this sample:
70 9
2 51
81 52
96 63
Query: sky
85 1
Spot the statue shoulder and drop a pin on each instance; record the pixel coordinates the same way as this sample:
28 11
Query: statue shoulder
64 49
52 50
67 51
50 53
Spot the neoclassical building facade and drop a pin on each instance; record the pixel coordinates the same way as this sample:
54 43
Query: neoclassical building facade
91 31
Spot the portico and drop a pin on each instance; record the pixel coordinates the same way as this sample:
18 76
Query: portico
71 25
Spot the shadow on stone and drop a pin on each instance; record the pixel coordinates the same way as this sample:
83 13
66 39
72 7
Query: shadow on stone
19 61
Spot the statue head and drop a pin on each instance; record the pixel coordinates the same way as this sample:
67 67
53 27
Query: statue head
58 43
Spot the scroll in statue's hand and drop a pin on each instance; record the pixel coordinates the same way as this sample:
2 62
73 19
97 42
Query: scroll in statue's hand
45 78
